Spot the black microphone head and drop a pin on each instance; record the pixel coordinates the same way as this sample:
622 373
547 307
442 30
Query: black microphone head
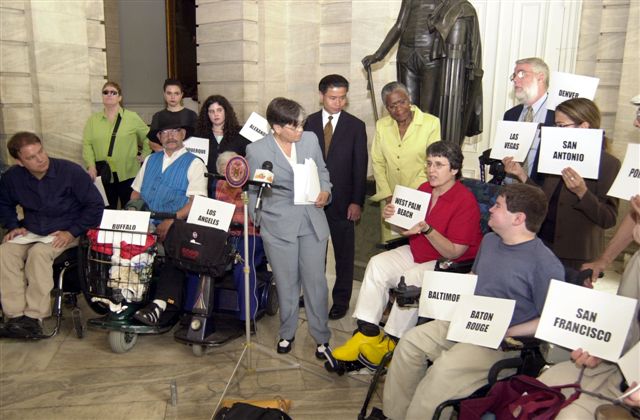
267 165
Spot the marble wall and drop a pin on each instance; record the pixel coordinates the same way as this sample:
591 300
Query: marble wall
52 65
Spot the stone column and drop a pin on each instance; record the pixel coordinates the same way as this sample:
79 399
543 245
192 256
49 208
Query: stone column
52 65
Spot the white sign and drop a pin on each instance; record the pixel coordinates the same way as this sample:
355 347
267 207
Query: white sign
118 224
211 213
255 128
410 207
564 86
627 183
595 321
199 146
481 320
441 292
513 138
630 364
306 182
578 148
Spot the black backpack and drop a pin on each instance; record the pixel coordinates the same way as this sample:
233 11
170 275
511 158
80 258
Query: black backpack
243 411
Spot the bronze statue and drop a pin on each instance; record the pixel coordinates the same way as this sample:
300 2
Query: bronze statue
440 61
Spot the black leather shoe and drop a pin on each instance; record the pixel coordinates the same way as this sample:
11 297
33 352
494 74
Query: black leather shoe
301 302
284 346
337 312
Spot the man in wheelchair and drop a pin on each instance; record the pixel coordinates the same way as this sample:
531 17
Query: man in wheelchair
512 263
167 182
60 203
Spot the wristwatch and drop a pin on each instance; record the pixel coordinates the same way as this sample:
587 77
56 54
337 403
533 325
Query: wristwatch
428 231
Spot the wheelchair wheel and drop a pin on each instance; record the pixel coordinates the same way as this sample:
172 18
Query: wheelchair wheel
122 342
78 324
272 300
197 350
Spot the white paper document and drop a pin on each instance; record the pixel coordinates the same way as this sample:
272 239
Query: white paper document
595 321
31 238
306 182
481 320
513 138
100 186
410 207
124 226
564 86
441 292
211 213
627 183
255 128
199 146
578 148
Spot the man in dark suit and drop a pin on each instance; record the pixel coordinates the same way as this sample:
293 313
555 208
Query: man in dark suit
343 140
530 82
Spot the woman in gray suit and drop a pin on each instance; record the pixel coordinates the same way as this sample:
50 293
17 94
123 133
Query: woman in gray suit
295 236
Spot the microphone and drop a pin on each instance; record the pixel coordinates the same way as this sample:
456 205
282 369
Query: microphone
265 177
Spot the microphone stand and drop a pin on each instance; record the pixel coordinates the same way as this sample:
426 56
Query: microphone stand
249 345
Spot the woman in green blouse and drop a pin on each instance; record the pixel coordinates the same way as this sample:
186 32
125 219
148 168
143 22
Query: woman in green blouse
121 152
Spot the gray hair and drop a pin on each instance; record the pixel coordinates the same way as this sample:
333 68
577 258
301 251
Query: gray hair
539 66
391 87
223 159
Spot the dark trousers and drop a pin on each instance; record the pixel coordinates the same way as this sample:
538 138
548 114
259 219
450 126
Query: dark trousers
170 285
256 257
343 238
118 190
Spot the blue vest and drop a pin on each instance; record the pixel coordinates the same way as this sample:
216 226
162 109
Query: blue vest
166 192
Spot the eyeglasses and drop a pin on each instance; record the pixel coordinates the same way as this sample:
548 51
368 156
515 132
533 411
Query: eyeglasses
110 92
295 127
169 131
437 165
565 125
395 105
520 74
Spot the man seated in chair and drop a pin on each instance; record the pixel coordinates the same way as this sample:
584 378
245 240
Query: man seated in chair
512 263
450 230
59 202
167 182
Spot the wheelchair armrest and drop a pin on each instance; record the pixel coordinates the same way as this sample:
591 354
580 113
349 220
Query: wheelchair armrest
520 343
393 243
499 366
462 267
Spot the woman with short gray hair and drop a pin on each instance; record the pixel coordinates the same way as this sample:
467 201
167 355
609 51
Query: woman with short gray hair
398 149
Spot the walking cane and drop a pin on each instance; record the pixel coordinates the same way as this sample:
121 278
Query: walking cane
372 92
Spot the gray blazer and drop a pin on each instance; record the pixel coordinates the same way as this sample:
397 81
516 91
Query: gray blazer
280 217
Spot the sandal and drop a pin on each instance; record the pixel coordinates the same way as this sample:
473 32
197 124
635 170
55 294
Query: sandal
149 315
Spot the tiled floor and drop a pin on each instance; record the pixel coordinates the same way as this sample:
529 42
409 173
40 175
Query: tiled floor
70 378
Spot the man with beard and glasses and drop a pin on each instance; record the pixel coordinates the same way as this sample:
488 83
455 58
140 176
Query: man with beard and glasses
530 82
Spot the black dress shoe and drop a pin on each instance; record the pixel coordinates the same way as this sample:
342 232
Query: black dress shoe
338 312
284 346
301 302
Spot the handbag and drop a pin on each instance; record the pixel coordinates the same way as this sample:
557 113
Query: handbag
520 397
243 411
198 248
103 168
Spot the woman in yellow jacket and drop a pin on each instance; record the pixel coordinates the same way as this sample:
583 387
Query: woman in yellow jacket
399 149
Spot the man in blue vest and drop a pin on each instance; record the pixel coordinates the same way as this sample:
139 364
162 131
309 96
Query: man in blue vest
167 182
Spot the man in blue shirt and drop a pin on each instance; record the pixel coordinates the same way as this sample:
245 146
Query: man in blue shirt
59 203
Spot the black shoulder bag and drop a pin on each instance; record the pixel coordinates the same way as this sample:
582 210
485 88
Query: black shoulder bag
102 166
